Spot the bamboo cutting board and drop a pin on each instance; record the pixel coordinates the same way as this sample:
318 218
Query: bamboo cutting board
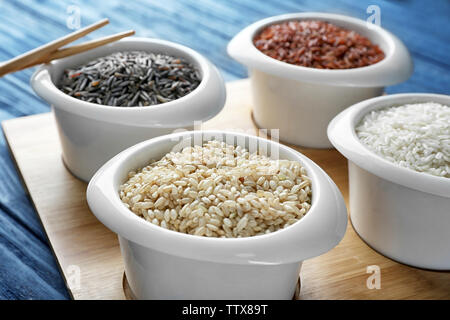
89 255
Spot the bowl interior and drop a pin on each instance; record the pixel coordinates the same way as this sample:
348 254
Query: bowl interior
175 142
394 102
347 142
367 30
148 45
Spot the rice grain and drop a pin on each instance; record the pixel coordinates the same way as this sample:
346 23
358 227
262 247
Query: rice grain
413 136
221 191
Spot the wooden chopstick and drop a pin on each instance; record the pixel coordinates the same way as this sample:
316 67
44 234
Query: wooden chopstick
65 52
30 57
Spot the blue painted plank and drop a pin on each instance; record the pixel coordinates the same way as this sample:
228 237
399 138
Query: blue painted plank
28 270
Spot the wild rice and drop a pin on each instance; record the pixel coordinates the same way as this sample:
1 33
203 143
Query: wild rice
128 79
414 136
218 190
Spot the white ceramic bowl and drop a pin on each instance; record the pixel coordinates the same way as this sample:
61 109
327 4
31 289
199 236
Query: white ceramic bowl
164 264
399 212
301 101
91 134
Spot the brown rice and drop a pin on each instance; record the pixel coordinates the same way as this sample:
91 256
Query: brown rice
218 190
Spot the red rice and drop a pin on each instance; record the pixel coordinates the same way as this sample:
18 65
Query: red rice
317 44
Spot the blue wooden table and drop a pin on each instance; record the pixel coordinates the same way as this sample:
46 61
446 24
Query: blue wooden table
27 266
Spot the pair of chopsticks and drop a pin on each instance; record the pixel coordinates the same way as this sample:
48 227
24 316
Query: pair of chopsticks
52 51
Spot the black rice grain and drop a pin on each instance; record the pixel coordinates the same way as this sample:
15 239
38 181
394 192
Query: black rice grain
130 79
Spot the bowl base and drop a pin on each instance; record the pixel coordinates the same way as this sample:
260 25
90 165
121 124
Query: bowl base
129 295
70 171
281 140
388 256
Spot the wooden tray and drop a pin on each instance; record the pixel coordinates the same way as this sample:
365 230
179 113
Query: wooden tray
84 247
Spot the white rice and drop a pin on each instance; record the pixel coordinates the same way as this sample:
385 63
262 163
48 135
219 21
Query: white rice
414 136
219 190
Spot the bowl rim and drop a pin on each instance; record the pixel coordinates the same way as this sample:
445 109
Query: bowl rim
318 231
395 67
342 134
211 89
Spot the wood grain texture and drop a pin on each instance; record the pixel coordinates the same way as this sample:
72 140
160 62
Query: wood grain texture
79 239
